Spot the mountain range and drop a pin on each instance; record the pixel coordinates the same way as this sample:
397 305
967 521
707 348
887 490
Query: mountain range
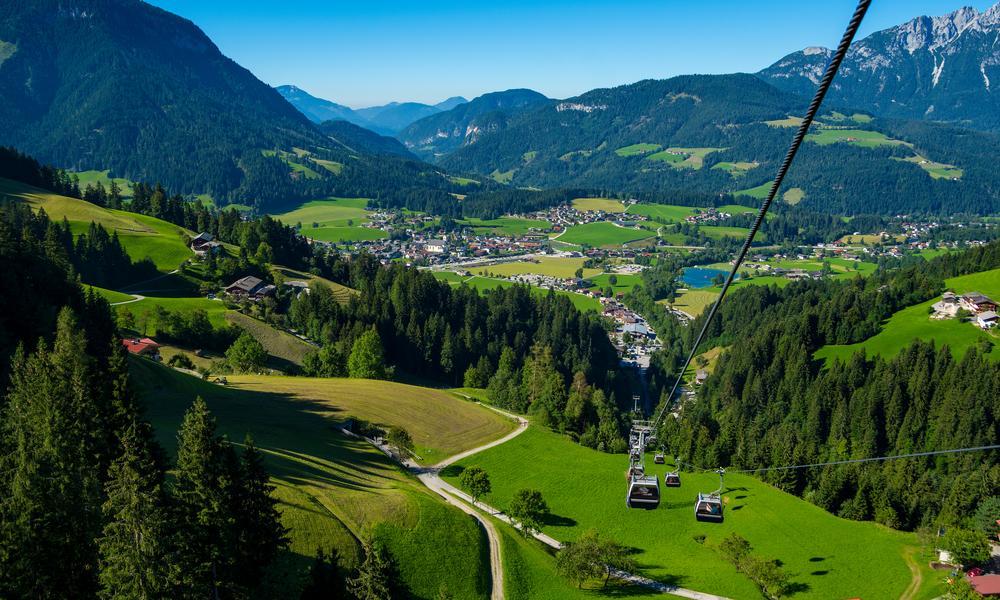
937 68
707 134
387 119
126 86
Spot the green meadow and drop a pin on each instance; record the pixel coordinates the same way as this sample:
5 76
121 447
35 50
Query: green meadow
665 212
335 220
759 192
683 158
935 169
602 233
485 284
624 282
586 489
552 266
598 204
504 225
858 137
637 149
94 177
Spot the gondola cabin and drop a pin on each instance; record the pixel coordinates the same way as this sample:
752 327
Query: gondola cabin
708 507
672 479
658 458
643 492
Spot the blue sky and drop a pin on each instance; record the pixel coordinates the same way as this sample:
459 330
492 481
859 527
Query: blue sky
368 52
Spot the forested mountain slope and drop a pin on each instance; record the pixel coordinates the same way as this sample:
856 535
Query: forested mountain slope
938 68
727 133
466 123
123 85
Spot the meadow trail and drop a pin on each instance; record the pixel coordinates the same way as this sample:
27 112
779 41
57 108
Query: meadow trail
430 477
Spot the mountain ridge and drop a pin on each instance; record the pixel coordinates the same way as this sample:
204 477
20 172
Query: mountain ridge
942 68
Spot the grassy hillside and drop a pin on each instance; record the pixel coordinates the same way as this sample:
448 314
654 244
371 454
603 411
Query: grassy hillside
284 349
914 322
441 424
143 237
333 488
826 556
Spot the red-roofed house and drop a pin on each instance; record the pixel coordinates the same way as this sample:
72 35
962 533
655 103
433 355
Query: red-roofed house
142 347
987 585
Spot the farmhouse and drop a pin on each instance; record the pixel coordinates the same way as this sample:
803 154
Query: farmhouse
948 305
249 287
701 376
977 303
142 347
203 243
987 319
987 585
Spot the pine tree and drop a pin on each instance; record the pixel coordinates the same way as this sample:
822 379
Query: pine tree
50 505
258 521
202 506
326 578
374 578
134 548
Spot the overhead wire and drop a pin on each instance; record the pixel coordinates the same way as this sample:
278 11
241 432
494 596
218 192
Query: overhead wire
831 72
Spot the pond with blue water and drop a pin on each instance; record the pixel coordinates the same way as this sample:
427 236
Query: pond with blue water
700 277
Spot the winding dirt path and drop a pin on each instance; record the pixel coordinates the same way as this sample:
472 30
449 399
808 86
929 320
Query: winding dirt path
917 577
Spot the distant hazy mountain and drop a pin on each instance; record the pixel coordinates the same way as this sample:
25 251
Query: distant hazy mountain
395 116
317 109
937 68
700 134
387 119
450 103
447 131
359 139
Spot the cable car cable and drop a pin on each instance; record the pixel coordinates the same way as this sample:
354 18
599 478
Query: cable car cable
831 71
873 459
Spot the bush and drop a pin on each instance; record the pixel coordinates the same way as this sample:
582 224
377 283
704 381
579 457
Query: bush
181 361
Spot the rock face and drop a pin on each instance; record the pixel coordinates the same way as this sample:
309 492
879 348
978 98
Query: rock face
938 68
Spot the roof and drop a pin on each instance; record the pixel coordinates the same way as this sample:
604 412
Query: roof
436 242
987 316
247 284
975 297
203 237
987 585
139 345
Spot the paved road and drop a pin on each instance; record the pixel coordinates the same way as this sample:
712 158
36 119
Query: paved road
135 298
430 477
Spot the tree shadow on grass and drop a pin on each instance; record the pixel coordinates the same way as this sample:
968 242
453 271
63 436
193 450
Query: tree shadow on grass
558 521
452 470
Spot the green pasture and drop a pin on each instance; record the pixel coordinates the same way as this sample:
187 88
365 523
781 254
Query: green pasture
637 149
934 169
503 176
552 266
586 489
683 158
609 205
759 192
858 137
625 282
504 225
602 233
94 177
665 212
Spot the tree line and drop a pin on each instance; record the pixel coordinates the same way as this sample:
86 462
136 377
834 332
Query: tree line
458 335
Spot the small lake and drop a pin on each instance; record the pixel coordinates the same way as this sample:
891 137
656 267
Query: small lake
699 277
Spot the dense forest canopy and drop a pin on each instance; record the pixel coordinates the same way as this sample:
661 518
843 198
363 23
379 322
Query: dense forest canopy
769 403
